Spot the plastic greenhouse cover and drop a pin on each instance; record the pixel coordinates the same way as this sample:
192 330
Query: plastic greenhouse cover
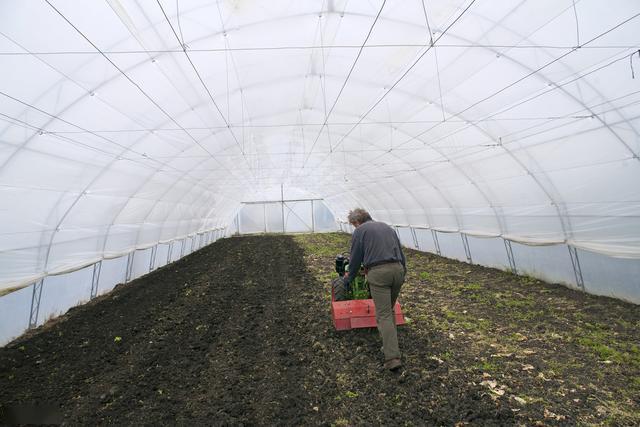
126 123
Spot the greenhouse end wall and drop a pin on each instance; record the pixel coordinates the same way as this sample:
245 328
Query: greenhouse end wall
284 216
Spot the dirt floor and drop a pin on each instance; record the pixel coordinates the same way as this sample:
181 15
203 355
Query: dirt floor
240 332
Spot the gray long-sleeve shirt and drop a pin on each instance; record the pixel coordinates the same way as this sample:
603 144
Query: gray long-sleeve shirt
371 243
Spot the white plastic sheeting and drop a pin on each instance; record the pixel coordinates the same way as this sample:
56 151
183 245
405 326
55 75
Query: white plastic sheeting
594 273
34 305
126 123
285 216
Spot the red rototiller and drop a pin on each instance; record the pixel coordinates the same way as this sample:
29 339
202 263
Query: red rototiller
352 306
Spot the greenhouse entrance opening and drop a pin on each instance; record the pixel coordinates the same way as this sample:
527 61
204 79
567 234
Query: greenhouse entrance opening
284 216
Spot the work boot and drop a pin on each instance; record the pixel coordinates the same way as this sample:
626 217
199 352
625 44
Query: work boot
392 364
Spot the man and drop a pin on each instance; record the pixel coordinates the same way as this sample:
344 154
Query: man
377 246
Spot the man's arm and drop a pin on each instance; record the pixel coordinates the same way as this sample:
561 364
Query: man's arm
404 260
356 255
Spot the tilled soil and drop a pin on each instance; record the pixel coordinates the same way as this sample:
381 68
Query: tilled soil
240 332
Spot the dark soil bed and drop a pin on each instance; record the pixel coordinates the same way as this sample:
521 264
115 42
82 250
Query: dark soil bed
240 332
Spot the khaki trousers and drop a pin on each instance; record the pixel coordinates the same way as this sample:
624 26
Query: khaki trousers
385 282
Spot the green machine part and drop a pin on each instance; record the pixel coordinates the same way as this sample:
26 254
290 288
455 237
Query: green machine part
359 287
